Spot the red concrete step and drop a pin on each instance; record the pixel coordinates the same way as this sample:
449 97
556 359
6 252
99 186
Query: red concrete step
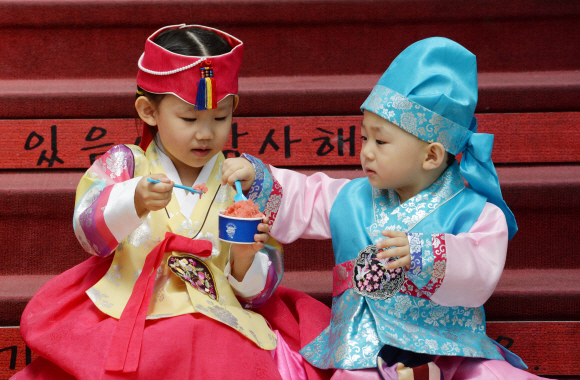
280 141
15 292
36 210
548 348
549 91
536 294
103 39
14 354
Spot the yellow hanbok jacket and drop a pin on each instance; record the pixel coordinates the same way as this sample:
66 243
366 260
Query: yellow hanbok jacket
103 228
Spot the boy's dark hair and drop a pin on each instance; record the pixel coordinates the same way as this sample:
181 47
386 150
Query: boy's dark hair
195 42
450 159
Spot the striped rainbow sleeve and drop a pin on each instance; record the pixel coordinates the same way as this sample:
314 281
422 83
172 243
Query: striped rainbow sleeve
428 262
274 272
266 192
106 182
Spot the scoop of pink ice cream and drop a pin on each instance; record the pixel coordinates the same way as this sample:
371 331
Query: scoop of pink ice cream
243 209
201 187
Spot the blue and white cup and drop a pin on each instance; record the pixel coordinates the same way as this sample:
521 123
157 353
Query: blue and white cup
238 230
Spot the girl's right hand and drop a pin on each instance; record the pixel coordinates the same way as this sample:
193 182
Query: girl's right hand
152 196
238 169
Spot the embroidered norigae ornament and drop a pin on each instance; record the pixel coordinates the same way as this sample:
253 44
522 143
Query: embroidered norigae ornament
371 278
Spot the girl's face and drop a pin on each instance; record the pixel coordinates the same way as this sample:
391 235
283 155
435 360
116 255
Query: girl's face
391 157
191 137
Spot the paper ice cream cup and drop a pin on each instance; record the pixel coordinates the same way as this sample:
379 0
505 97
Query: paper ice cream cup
238 230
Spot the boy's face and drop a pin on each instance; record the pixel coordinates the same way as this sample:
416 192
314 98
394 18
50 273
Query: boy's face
191 137
391 157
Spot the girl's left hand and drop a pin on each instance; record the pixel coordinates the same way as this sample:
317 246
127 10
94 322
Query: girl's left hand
398 240
242 255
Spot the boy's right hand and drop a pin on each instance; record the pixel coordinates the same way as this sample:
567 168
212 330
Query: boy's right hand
238 169
152 196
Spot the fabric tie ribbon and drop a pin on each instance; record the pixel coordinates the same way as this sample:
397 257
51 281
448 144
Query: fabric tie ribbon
478 170
125 348
146 137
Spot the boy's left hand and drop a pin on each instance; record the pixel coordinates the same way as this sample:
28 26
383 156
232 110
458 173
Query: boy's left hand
398 240
243 254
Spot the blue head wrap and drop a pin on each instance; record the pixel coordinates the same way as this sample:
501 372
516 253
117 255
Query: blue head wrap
430 91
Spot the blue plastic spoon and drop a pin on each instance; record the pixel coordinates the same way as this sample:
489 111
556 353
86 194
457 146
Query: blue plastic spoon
190 189
239 196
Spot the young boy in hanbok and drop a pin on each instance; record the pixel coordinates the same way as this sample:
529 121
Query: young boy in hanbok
417 253
163 297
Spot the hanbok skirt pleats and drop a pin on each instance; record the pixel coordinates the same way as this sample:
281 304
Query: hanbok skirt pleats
72 337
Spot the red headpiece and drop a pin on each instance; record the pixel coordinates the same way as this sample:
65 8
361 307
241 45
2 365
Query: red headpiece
201 81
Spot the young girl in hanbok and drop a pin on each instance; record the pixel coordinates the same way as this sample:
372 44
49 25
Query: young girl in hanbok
162 297
417 253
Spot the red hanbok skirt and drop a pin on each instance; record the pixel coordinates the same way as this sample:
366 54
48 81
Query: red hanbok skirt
72 336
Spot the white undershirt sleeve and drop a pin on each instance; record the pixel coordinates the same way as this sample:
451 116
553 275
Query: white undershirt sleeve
254 280
120 213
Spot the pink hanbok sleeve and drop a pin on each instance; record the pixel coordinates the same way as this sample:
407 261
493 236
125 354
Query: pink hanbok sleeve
305 208
467 266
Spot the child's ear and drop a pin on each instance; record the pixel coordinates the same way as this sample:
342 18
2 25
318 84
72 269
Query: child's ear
435 156
146 110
